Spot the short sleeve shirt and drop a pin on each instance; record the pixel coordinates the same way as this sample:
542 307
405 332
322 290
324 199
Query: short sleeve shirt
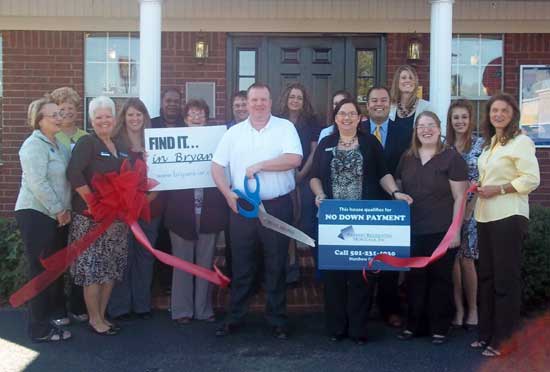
428 185
90 156
242 146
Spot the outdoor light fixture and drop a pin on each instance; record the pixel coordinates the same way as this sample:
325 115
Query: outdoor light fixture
414 50
201 48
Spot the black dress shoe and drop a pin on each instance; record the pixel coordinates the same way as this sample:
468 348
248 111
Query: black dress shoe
360 340
227 329
337 337
280 332
123 317
144 316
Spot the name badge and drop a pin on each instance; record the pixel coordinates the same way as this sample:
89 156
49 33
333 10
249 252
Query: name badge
105 154
123 154
329 149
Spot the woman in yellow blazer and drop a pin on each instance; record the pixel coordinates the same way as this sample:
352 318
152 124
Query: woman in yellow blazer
508 172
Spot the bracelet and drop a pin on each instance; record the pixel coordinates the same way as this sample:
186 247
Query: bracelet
393 193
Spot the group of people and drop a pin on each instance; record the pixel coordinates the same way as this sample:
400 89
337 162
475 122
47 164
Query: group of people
394 150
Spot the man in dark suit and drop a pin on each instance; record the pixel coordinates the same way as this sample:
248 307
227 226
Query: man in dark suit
395 141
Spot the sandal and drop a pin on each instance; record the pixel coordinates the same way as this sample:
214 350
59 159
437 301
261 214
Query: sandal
210 319
183 320
55 334
491 352
478 344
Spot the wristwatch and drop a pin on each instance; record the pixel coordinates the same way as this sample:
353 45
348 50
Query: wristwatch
502 190
393 193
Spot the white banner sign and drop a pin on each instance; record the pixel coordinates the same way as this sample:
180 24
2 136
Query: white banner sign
179 158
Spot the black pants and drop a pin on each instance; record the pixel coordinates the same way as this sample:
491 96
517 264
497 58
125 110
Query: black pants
430 289
500 244
245 234
388 294
42 237
347 302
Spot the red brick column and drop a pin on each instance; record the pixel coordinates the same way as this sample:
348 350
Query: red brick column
35 62
180 66
397 56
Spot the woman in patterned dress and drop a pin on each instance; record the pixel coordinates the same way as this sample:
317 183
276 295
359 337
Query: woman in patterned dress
460 127
349 164
105 260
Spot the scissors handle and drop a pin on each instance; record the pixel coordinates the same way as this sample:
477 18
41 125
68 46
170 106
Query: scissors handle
251 198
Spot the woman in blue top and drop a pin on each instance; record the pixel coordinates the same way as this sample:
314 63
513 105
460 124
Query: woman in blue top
460 127
42 212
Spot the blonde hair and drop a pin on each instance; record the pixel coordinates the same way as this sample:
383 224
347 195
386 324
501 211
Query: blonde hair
66 94
34 114
396 93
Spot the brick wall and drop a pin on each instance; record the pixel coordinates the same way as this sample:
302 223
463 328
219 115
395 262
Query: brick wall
397 56
528 49
519 49
180 66
35 62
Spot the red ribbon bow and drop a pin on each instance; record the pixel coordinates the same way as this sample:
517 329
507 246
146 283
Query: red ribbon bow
119 196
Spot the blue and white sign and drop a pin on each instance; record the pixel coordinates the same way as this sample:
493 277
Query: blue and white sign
351 232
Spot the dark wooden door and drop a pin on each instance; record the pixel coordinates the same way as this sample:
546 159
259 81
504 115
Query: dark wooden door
317 63
324 64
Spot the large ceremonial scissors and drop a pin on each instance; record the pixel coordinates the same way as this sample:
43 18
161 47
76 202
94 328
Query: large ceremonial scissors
255 209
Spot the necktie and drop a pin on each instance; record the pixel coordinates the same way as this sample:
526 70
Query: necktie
377 133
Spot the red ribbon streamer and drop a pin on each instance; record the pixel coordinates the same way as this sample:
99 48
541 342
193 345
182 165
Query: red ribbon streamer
117 196
420 262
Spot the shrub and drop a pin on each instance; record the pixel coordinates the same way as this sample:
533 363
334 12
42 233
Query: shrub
13 271
536 260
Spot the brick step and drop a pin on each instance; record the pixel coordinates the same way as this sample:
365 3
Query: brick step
306 295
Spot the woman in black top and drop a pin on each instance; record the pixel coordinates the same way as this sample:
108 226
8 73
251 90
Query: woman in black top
436 177
105 260
133 292
349 164
295 106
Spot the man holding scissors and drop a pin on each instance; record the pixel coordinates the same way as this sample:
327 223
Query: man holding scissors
268 147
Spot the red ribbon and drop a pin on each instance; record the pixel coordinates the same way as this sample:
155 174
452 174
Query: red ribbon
117 196
419 262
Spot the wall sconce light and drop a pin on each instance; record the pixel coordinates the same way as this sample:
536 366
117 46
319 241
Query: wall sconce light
474 60
414 50
201 48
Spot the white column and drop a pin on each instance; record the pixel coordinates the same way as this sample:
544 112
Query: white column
150 27
441 37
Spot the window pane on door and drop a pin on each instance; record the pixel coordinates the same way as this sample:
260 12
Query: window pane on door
245 82
247 62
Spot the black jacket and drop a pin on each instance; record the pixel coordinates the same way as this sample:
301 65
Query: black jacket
179 213
374 164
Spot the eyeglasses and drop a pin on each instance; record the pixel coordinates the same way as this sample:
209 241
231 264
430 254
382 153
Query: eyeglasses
429 126
198 115
351 115
55 115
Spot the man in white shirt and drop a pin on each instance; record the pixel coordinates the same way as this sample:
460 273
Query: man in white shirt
269 147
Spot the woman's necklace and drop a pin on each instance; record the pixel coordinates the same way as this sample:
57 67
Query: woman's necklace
348 143
405 112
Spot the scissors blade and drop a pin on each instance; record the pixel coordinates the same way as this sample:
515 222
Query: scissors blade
275 224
